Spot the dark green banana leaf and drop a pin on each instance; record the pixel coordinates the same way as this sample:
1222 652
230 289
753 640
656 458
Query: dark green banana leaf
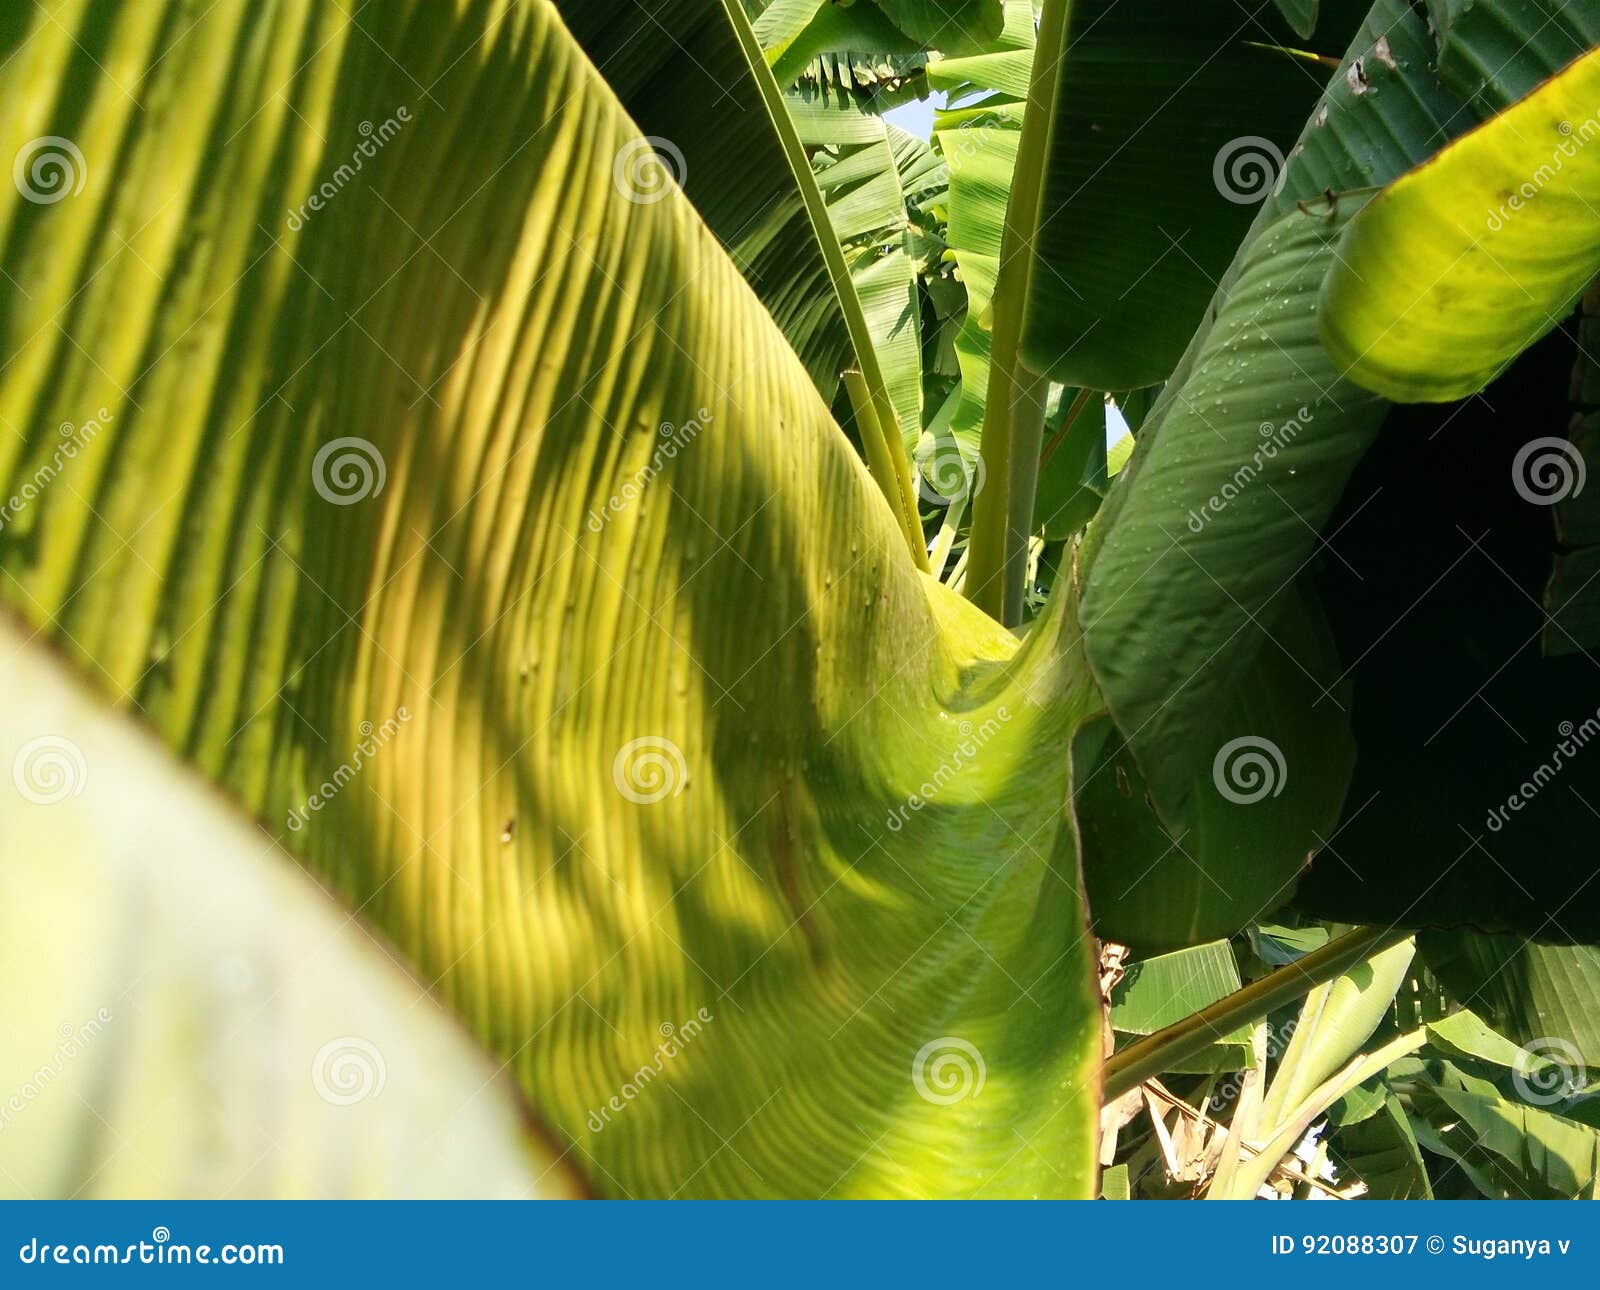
1170 129
1270 798
1251 442
1476 785
1381 1151
955 26
1172 623
1494 52
1508 1151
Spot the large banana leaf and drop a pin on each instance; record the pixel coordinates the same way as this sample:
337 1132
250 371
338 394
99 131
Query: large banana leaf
1272 795
733 843
1170 128
958 26
1171 621
185 1015
1494 52
1250 444
778 24
859 44
1508 1151
1382 1152
1163 990
1457 267
1480 720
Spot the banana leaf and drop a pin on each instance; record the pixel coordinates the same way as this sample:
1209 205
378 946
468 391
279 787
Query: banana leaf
187 1016
1460 265
1201 535
749 855
1170 128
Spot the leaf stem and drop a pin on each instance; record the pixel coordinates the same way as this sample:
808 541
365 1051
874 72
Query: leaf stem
1153 1054
1011 460
887 457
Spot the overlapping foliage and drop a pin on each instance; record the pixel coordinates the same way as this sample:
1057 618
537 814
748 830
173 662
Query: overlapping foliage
590 382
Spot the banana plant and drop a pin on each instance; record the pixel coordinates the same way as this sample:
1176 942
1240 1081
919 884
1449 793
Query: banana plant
465 532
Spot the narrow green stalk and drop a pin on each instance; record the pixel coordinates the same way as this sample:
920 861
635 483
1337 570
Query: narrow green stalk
1156 1053
882 456
887 458
1011 460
